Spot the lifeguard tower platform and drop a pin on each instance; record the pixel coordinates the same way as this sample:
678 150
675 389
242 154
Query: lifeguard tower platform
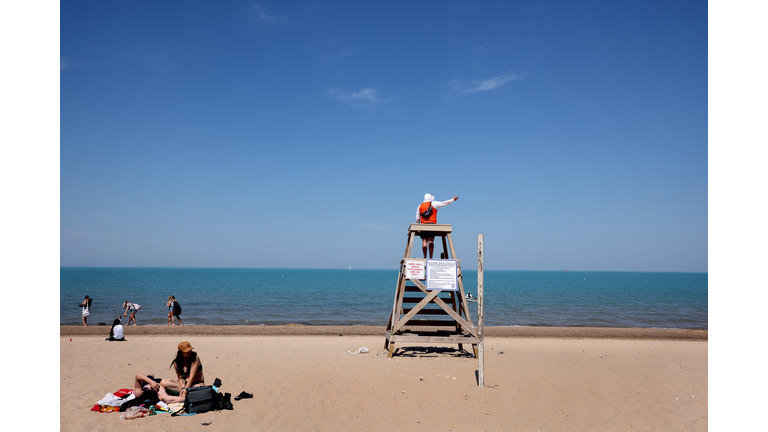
425 316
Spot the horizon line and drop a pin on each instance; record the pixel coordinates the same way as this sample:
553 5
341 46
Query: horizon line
344 268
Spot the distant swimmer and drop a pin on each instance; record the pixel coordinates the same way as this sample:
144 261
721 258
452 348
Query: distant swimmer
426 213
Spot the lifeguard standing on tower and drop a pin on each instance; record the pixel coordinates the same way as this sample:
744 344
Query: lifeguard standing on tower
426 213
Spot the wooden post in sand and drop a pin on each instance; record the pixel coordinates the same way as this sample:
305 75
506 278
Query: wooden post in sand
480 334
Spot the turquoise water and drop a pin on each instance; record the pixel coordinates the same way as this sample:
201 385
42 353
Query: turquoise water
352 297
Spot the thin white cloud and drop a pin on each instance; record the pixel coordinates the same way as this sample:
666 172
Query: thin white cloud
363 98
366 93
266 17
492 83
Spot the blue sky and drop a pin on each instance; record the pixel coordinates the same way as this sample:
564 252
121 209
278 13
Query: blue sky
275 134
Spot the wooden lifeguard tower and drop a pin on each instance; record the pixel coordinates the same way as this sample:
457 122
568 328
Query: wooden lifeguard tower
409 323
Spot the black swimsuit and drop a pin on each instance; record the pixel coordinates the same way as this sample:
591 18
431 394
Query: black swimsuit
185 376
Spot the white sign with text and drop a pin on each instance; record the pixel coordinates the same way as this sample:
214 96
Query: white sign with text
442 275
414 269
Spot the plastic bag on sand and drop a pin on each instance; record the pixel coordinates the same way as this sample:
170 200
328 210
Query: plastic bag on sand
134 412
362 350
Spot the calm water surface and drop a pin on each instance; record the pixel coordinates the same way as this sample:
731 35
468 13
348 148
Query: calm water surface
350 297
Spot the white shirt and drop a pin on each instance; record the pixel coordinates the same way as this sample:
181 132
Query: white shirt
117 332
435 204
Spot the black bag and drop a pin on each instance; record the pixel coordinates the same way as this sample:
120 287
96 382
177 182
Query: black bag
176 308
427 213
199 400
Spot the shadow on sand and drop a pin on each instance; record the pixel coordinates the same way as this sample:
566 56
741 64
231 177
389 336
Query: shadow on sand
440 352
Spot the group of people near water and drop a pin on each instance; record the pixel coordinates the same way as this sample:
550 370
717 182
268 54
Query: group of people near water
174 311
426 213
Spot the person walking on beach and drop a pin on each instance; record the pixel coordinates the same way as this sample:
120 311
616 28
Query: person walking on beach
132 307
86 304
426 213
176 309
170 311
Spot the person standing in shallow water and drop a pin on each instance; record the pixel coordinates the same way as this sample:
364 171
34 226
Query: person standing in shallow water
86 304
426 213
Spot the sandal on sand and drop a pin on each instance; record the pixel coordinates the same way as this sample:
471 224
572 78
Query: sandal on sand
243 395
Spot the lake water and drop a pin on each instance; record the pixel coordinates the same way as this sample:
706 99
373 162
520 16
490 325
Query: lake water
365 297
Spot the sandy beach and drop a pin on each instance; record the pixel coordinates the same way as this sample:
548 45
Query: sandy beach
302 378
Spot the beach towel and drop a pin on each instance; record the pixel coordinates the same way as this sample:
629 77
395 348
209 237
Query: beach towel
171 408
114 400
123 392
105 408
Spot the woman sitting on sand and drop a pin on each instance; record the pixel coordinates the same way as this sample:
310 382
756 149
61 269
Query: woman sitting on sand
116 332
189 370
142 383
133 307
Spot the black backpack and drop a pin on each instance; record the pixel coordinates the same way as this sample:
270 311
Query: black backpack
176 308
428 212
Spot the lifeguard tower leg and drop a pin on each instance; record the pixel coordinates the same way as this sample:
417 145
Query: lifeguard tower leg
445 248
409 245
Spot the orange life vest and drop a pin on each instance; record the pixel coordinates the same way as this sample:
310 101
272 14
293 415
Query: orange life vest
432 218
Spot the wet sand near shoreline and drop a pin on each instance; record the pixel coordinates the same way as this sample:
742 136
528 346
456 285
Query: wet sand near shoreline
312 330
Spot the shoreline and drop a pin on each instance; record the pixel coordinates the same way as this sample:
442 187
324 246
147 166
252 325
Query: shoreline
366 330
